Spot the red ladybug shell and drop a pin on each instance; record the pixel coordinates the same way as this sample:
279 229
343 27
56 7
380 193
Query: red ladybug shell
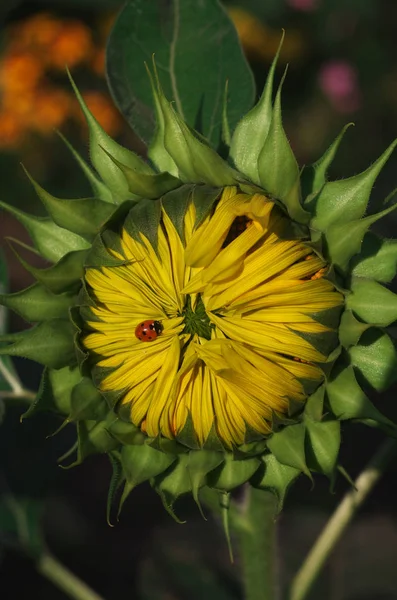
147 331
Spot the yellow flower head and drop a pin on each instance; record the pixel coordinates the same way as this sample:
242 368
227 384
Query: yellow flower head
207 318
233 303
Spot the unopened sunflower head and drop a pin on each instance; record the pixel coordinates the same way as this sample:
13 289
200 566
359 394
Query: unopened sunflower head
205 321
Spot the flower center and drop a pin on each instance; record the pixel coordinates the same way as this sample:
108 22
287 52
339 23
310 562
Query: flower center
196 320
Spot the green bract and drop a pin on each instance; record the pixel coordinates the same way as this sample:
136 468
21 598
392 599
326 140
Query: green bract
329 216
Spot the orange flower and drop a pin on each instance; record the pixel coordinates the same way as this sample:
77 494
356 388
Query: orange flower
11 131
50 109
38 32
21 104
72 46
20 72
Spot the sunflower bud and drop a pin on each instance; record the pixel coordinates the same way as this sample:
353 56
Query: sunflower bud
206 323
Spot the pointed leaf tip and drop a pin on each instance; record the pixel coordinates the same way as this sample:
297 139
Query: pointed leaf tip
278 170
343 240
277 478
202 462
348 401
106 168
346 200
251 132
98 187
173 483
51 241
196 162
375 357
37 303
288 446
145 186
315 176
115 482
81 216
49 343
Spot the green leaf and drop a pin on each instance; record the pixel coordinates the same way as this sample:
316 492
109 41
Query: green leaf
344 240
100 256
288 446
277 477
55 392
51 241
350 329
98 187
49 343
115 482
232 473
144 218
377 259
147 186
198 50
348 401
372 302
83 216
195 160
315 176
6 362
278 170
202 462
251 132
37 303
346 200
157 152
126 433
173 483
141 463
314 404
86 402
203 198
64 276
375 358
94 438
322 445
175 204
101 145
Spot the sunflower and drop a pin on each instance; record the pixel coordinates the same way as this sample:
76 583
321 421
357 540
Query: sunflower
232 309
206 321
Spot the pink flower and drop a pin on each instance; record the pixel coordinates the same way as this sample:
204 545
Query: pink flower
339 82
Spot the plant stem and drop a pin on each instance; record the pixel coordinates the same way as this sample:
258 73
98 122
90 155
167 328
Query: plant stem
17 392
255 525
64 579
335 527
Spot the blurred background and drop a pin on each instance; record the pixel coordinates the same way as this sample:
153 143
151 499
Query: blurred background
342 68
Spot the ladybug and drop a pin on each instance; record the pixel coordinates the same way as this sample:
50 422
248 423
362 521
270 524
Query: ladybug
147 331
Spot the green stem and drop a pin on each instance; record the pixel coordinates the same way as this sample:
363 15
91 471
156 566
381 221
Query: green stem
255 524
64 579
337 524
18 392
